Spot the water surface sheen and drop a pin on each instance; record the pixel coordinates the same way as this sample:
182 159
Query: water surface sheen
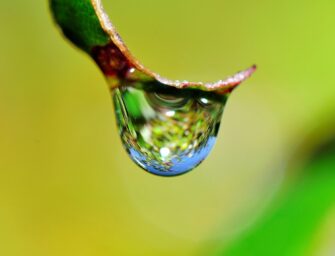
167 132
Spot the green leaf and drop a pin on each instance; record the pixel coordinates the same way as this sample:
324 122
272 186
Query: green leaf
87 25
80 23
290 225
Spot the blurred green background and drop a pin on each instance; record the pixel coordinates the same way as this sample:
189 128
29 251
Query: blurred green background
68 188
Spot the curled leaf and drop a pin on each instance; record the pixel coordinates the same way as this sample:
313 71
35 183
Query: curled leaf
87 25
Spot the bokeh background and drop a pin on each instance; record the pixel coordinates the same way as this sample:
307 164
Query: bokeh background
68 188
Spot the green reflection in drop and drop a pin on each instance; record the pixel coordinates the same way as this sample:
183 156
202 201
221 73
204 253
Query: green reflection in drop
167 131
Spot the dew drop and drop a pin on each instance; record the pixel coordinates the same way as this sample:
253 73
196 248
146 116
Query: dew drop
167 131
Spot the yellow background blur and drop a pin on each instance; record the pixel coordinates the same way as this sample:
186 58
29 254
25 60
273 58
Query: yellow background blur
66 185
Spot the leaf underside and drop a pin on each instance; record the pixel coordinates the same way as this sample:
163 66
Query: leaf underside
85 23
79 23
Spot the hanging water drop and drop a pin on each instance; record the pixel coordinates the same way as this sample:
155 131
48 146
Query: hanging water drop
168 127
167 131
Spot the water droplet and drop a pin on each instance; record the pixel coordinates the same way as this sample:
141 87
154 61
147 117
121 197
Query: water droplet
167 131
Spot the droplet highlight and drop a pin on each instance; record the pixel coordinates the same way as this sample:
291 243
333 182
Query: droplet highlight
167 131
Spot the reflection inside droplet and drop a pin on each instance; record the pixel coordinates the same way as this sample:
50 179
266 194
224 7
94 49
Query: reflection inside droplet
167 131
